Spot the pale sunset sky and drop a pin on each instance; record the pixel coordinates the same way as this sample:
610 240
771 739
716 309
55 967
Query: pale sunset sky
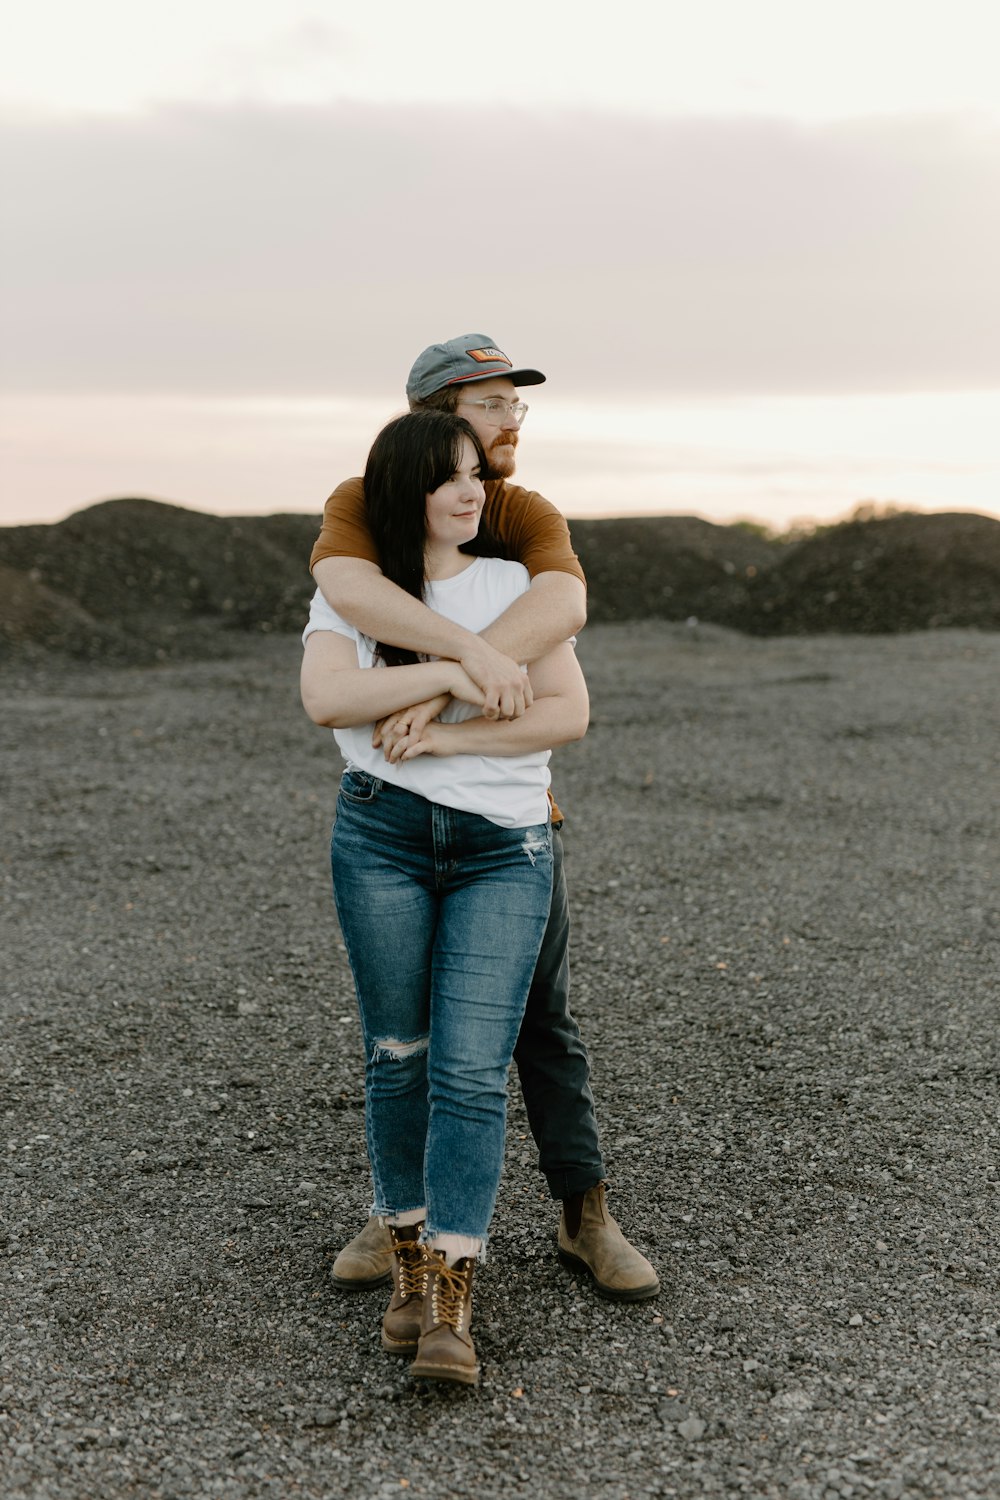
754 247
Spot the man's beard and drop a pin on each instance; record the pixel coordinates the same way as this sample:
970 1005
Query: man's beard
501 462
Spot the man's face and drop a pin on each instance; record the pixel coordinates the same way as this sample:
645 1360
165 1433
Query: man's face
499 440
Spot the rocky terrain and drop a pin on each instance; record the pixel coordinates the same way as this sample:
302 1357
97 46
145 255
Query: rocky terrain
782 860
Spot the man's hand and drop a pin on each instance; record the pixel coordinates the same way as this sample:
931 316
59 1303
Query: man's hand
505 688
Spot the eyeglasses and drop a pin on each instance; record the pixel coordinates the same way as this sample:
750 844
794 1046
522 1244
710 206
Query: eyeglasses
496 409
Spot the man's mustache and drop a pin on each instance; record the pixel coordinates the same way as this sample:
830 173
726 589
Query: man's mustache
502 440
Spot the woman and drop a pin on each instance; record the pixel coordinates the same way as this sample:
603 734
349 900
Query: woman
442 870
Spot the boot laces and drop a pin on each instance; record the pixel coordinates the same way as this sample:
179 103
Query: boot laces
412 1268
409 1256
448 1300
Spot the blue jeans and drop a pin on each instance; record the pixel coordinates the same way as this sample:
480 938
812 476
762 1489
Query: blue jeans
442 914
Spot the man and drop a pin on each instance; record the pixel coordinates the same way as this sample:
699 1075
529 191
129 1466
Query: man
472 376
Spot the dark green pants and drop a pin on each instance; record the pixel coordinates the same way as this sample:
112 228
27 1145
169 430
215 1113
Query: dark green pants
552 1061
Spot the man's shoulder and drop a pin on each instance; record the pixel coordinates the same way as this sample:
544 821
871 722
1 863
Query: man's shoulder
344 532
511 510
530 528
349 489
501 493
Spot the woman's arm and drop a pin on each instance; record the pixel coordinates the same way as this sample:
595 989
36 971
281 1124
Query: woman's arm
337 693
559 713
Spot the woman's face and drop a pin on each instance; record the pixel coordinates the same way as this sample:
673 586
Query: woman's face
454 508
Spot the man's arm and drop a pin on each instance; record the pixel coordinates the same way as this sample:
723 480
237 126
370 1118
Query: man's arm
553 609
357 590
345 567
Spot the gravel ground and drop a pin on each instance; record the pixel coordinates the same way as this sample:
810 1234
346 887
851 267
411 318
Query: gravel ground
782 860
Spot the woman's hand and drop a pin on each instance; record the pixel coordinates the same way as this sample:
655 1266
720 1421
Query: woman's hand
410 723
428 739
414 720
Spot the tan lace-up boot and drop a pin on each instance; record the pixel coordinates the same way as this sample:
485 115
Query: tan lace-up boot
446 1350
402 1321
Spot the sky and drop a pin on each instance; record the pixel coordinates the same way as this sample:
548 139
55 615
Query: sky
752 247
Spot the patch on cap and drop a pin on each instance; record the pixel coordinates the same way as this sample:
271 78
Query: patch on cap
489 356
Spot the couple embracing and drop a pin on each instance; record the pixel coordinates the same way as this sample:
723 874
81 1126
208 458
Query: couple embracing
438 581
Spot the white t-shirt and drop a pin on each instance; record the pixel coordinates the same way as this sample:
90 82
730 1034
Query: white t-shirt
511 789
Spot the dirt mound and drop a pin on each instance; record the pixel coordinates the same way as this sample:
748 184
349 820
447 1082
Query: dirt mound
36 618
137 580
139 556
669 567
904 572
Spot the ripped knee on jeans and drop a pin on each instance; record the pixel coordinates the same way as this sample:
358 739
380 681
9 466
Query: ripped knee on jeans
392 1049
535 840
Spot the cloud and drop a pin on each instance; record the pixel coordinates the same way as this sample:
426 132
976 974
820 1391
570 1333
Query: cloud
309 52
311 250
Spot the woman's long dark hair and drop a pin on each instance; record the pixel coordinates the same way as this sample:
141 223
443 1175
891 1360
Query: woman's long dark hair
412 456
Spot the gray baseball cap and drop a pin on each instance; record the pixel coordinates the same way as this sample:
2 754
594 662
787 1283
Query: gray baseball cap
472 356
